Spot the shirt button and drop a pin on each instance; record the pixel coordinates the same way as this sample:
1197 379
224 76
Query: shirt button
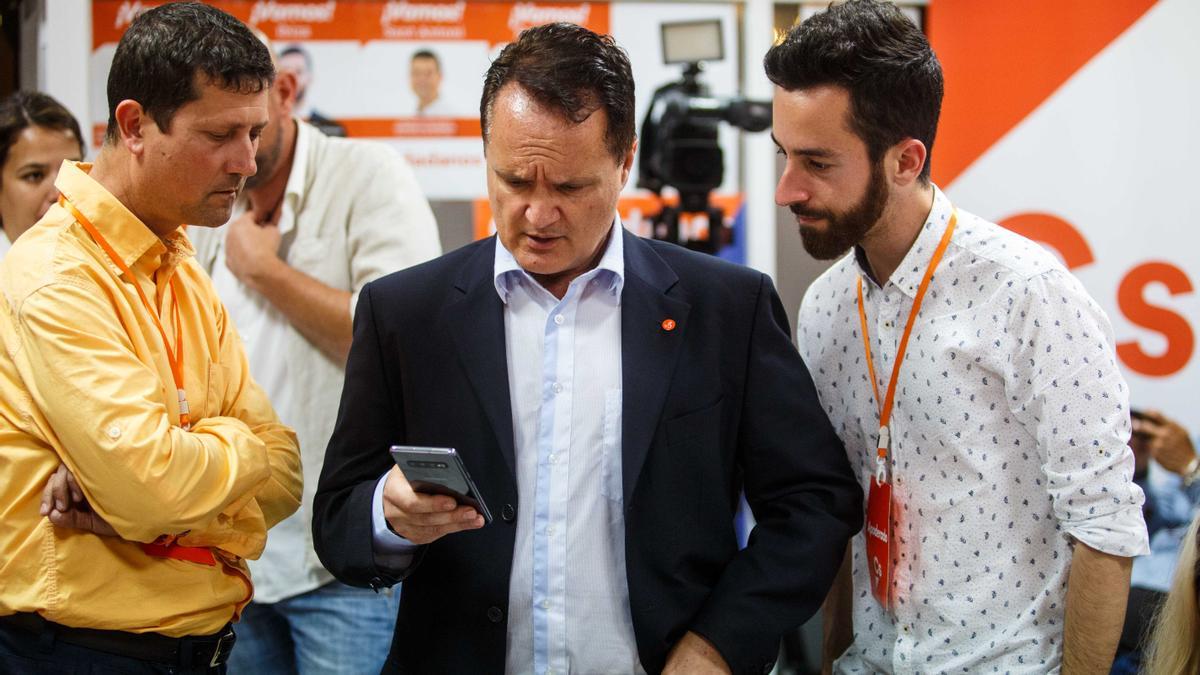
558 388
550 530
558 319
114 432
545 604
553 458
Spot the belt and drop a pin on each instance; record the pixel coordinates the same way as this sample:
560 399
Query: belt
207 650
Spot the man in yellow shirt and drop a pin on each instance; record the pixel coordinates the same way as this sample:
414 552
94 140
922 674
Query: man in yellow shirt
140 465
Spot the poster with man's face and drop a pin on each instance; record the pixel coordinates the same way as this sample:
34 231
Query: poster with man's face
410 74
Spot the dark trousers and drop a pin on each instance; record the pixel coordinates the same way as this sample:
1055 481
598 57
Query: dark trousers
26 653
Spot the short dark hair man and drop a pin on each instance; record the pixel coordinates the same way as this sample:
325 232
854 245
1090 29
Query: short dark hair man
425 79
1001 435
610 395
127 413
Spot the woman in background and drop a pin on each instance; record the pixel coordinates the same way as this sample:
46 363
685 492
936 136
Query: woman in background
36 134
1175 645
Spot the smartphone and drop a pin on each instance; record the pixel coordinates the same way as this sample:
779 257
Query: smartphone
439 471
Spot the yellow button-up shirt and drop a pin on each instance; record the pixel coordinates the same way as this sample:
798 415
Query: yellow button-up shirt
85 381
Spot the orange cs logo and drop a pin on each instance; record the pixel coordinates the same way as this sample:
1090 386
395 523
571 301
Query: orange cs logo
1071 245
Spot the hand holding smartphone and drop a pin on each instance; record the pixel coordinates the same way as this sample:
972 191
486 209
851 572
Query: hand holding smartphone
439 471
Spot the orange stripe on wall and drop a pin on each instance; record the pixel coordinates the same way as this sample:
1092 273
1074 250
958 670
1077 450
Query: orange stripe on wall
412 127
1003 59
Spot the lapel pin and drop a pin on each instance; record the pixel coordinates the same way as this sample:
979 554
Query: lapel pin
668 324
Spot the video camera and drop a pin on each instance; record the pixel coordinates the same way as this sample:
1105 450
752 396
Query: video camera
679 145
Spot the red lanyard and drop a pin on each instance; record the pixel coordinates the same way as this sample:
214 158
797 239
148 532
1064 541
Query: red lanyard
885 408
174 356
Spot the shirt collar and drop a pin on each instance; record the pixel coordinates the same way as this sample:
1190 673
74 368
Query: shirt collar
5 244
508 273
293 194
911 269
129 237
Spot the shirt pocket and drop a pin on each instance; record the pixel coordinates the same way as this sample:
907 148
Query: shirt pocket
610 485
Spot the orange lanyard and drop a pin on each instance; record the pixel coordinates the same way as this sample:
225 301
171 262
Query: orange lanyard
174 356
885 409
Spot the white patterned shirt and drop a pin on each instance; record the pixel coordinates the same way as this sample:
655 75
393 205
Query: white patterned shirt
1009 442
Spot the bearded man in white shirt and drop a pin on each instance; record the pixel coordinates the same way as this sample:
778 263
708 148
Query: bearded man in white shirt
1002 517
322 217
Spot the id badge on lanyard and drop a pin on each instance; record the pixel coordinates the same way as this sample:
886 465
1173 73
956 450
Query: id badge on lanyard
880 500
879 527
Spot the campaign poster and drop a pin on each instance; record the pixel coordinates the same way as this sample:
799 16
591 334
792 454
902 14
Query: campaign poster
410 74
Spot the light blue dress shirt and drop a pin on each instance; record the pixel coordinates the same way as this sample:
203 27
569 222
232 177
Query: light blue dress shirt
568 606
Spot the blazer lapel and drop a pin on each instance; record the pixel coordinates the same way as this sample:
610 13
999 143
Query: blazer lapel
476 320
650 345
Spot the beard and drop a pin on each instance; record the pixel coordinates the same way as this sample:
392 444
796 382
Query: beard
267 158
845 229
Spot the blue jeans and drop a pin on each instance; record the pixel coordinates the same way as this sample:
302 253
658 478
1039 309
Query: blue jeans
335 629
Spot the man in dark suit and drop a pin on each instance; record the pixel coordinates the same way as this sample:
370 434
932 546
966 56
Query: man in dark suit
610 396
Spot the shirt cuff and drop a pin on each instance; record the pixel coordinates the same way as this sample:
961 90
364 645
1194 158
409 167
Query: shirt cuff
1121 533
392 552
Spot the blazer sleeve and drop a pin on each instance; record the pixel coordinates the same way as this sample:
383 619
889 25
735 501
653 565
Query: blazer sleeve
804 496
370 420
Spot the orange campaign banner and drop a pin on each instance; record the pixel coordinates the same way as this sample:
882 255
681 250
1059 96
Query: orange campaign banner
406 73
439 28
1072 123
283 20
409 73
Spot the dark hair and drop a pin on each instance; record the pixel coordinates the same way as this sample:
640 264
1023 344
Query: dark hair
24 109
570 69
165 48
297 49
427 54
873 51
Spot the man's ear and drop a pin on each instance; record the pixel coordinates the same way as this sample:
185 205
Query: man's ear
909 157
285 89
627 163
131 125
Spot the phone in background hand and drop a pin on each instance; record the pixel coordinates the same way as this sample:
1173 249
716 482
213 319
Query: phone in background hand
439 471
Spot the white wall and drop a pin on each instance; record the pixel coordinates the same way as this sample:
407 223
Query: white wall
56 45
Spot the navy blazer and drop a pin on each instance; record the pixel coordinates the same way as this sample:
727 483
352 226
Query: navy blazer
720 404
